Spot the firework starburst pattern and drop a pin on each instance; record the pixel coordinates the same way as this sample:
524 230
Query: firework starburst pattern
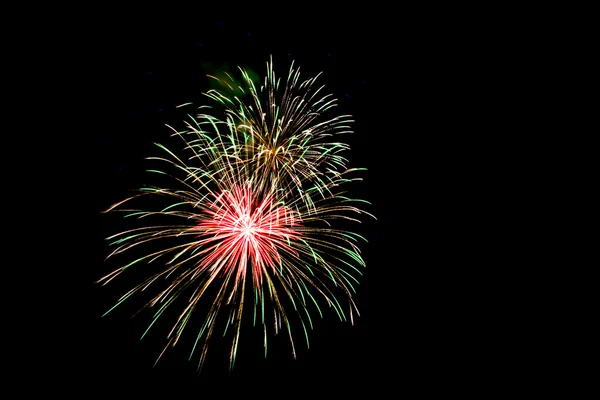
254 222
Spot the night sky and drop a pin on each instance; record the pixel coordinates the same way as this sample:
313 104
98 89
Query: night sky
391 77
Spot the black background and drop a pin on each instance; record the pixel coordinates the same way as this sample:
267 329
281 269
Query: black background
412 81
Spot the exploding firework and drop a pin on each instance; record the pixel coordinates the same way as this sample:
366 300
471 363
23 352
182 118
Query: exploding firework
254 219
283 131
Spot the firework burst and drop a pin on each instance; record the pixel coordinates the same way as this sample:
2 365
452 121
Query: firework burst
253 221
283 132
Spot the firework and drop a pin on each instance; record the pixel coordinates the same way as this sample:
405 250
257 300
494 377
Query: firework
283 131
253 222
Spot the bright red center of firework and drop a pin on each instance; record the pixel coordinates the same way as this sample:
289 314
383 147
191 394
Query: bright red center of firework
242 231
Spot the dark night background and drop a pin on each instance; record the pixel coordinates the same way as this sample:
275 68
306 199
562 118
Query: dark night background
409 79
